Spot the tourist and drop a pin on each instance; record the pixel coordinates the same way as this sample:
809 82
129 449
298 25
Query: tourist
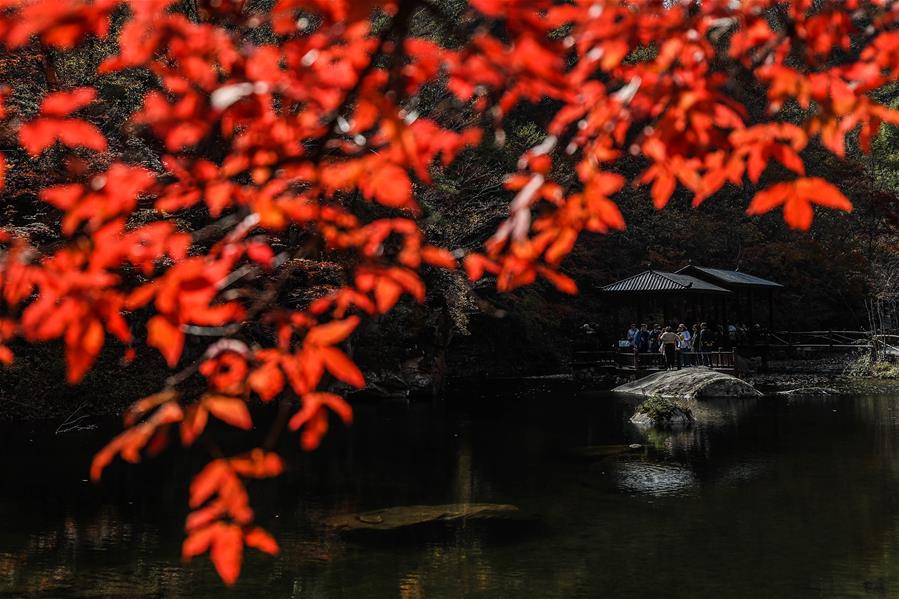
683 344
631 333
641 339
758 335
694 345
706 344
654 338
668 340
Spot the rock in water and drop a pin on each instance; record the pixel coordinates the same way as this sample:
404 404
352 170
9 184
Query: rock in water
803 391
689 383
408 516
662 412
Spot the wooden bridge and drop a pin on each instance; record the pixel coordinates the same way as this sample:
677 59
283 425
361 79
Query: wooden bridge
852 341
814 340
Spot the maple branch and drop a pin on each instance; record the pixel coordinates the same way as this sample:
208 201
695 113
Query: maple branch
277 428
220 225
182 375
274 287
398 23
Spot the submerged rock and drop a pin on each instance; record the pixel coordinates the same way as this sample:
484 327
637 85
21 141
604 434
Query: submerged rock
661 411
811 391
689 383
408 516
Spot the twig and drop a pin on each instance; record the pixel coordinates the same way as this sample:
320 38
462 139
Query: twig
71 423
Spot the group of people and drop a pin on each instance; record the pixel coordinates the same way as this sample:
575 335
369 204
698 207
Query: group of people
680 347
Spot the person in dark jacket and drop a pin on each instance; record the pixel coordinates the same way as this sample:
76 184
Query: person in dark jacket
641 339
706 344
654 338
694 346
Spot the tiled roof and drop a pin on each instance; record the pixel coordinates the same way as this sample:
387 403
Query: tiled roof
659 281
729 277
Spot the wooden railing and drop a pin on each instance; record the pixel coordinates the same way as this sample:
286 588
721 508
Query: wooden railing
631 360
725 359
886 345
831 339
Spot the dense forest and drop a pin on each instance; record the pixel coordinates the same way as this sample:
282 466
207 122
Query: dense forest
830 274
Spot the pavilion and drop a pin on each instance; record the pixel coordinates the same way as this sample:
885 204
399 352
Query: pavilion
693 294
746 290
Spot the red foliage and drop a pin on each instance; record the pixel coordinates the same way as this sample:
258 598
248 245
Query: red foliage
41 133
301 124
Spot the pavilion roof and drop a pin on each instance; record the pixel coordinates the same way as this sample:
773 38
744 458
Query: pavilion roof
728 277
657 281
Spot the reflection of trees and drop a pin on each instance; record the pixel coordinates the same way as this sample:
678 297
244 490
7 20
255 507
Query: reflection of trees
773 497
73 558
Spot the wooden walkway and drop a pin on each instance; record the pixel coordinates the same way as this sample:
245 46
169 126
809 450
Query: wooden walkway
625 362
632 364
816 340
851 341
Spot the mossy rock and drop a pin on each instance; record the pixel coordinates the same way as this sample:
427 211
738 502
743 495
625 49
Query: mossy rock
662 412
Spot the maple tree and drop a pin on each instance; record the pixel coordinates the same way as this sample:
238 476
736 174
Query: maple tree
313 140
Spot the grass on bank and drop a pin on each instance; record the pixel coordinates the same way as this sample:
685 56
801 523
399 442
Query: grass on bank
867 366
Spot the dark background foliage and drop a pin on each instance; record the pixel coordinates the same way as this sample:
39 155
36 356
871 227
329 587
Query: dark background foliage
827 273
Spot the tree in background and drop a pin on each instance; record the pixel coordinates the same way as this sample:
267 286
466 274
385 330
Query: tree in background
287 142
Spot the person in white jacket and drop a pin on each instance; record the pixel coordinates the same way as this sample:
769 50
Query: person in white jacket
683 345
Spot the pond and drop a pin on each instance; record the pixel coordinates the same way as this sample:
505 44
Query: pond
769 497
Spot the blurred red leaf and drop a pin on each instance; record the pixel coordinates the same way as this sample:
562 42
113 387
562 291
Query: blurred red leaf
227 552
332 332
261 540
167 337
64 103
228 409
797 198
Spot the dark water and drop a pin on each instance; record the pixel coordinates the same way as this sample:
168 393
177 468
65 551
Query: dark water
766 498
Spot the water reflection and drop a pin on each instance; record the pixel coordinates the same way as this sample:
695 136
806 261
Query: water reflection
654 479
768 497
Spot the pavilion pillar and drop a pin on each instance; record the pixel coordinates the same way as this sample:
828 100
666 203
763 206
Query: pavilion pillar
770 309
724 323
749 307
